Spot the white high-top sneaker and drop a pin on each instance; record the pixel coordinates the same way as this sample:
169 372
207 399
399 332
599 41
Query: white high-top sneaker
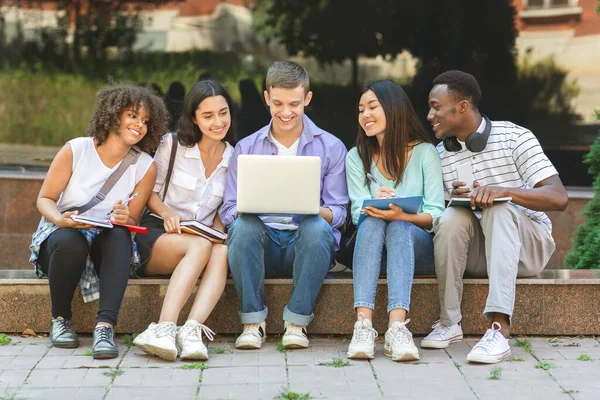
159 340
442 336
362 345
492 348
399 344
294 336
253 336
189 340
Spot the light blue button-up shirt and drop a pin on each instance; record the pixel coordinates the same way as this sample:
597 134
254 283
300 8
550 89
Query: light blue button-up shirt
314 141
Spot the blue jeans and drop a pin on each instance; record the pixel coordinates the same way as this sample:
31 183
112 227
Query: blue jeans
256 252
404 243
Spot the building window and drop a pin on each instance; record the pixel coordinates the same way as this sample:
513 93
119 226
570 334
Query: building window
550 3
550 8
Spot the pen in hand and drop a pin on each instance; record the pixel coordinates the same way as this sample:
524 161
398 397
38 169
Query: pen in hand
136 194
373 179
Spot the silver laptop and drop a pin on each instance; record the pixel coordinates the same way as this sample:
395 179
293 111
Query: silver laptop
278 184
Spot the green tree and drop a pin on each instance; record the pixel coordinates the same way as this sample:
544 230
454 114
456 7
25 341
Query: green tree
334 30
585 253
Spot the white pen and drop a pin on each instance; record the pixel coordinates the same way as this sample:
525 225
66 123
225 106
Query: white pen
372 178
136 194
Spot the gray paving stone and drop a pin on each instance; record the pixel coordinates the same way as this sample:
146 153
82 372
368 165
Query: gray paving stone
12 378
245 391
157 377
91 393
47 378
19 362
149 392
244 375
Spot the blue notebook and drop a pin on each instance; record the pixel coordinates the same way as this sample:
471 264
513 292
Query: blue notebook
410 204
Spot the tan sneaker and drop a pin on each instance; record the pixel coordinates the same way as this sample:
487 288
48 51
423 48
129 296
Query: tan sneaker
253 336
294 336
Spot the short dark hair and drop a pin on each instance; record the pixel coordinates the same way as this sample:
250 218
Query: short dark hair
113 100
188 133
462 85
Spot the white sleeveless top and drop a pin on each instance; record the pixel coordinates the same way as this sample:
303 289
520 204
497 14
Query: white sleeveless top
89 174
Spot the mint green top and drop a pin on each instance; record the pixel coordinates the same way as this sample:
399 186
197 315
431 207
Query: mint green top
422 176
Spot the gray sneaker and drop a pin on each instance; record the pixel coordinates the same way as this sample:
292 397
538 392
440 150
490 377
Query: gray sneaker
62 334
104 343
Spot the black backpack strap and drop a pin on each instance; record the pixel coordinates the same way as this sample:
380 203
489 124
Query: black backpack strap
131 158
171 164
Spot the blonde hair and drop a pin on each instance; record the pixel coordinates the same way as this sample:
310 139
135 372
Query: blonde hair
287 75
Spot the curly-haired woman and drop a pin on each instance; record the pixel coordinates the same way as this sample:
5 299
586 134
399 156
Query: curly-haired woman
71 252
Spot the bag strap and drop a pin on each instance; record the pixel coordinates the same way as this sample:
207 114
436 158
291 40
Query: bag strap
171 163
131 158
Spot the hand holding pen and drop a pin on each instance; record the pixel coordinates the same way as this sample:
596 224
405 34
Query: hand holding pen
383 191
120 211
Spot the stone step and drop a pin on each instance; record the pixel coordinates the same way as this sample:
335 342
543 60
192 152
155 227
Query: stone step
556 302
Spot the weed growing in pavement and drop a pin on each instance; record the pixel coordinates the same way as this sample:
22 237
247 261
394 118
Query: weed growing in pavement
4 339
196 365
114 372
457 365
88 353
129 339
515 358
280 347
545 365
584 357
524 343
495 373
286 393
335 362
219 350
555 340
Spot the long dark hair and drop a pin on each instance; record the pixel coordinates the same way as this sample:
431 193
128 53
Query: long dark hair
402 126
188 133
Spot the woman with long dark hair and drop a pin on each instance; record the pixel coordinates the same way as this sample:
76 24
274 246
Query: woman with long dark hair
195 192
393 157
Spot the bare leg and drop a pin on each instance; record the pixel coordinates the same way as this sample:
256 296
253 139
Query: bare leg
183 256
504 322
212 284
397 314
367 312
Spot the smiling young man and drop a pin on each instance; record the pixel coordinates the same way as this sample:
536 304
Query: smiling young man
510 239
268 246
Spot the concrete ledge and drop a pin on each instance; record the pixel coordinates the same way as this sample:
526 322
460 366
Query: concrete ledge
556 302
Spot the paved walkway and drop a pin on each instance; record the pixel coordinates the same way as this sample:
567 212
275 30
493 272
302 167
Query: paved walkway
31 369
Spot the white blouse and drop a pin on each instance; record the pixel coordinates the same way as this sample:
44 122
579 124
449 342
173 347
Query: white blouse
190 194
89 174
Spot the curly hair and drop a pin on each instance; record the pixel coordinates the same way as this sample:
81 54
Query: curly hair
113 100
462 85
188 133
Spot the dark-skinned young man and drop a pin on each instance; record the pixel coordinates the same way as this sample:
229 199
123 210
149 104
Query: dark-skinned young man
505 240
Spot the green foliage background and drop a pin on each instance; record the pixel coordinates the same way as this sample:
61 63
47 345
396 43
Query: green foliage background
585 253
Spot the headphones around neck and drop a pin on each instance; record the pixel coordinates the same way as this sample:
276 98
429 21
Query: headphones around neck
475 142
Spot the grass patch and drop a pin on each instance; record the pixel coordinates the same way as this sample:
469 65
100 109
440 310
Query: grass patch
584 357
335 362
495 373
129 339
457 365
524 343
555 340
515 358
280 347
113 372
196 365
286 393
4 339
88 353
545 365
219 350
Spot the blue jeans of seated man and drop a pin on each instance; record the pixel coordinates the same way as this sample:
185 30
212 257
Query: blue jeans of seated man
256 252
391 247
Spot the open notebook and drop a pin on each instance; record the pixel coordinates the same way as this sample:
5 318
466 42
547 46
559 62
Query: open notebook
105 223
194 227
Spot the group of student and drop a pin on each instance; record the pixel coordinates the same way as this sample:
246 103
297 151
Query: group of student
193 175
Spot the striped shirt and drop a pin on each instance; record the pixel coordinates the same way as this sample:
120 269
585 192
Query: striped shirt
512 158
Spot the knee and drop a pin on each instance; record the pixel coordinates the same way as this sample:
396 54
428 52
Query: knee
199 245
454 221
502 211
372 226
246 227
314 229
118 233
400 229
71 241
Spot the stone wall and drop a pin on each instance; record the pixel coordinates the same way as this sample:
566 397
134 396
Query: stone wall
19 218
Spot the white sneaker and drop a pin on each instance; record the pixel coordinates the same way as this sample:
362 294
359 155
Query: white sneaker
253 336
442 336
189 340
362 345
294 336
159 340
399 343
492 348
